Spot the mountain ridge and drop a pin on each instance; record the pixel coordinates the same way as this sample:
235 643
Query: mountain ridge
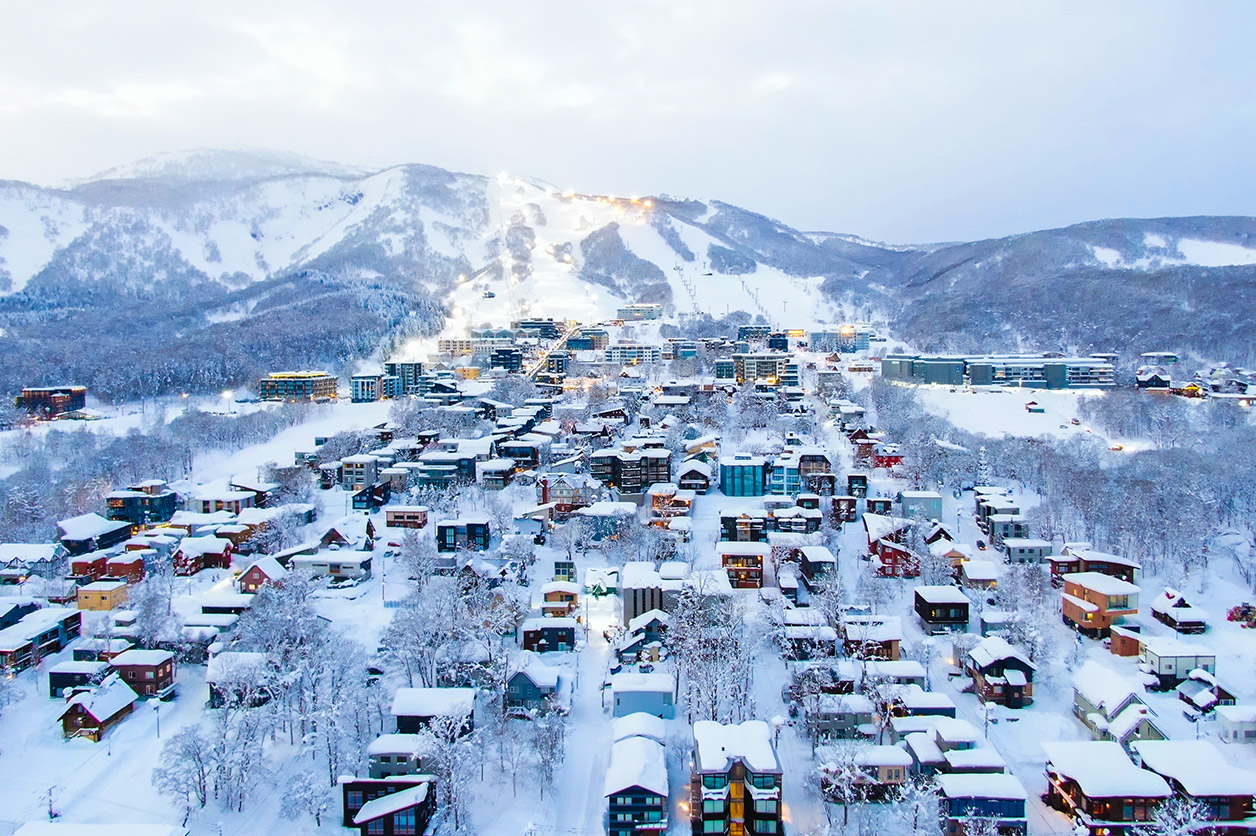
206 244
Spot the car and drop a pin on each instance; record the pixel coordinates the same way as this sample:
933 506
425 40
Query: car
1074 422
981 544
1116 448
617 669
394 544
647 668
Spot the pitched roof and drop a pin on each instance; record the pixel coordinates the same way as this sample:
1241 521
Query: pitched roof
103 701
637 762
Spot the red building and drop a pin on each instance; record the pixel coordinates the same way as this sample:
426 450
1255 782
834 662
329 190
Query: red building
197 553
148 672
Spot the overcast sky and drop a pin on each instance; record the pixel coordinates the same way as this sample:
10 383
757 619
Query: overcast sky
916 121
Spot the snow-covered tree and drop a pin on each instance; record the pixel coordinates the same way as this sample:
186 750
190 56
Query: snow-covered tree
304 794
186 767
916 807
549 740
1177 816
842 779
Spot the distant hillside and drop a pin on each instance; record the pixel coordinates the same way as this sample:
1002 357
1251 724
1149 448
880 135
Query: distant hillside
1182 284
203 269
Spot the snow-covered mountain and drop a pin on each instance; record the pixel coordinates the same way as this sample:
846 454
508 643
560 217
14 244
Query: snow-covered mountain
200 269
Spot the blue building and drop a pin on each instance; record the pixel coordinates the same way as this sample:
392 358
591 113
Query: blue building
998 796
147 502
743 476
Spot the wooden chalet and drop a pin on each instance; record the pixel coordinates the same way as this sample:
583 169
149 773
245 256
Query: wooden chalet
93 711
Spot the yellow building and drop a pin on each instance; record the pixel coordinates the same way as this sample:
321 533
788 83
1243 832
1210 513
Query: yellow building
102 596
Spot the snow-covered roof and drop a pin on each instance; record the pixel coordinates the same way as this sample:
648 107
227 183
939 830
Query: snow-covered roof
26 552
87 526
197 546
916 698
941 595
994 649
978 758
730 547
982 785
103 701
606 508
102 586
982 570
235 666
1103 687
1169 646
883 756
269 567
567 587
1092 556
844 704
542 676
1025 543
530 624
817 554
398 744
716 744
1101 583
1127 721
433 702
147 658
659 683
1102 770
673 570
638 574
1173 604
879 525
90 668
639 622
956 730
1237 713
637 762
386 805
695 465
638 724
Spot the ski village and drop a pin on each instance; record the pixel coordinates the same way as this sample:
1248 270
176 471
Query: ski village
557 578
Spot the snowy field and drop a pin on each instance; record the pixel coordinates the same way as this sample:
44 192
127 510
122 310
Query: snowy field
1003 412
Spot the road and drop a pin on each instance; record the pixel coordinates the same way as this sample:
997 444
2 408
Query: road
558 345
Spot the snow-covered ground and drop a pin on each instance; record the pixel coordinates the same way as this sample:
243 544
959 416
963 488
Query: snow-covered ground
110 782
1004 412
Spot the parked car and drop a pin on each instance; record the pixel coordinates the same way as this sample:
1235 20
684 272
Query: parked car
981 544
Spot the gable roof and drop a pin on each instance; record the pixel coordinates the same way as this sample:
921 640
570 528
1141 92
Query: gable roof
104 701
996 649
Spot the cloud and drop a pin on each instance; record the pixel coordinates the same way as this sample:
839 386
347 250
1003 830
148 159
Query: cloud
903 120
